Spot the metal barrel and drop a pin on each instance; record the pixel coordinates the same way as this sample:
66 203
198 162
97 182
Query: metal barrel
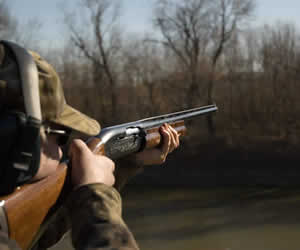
156 121
177 116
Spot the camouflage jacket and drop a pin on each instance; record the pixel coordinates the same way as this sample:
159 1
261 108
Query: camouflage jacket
95 218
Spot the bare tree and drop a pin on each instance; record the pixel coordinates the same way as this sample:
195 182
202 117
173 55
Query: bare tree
95 32
29 34
143 67
193 29
24 33
8 24
278 49
251 45
279 57
185 32
228 17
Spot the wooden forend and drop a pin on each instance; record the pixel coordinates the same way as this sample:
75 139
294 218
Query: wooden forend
153 138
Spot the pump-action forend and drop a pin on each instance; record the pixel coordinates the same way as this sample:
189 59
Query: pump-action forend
124 139
33 204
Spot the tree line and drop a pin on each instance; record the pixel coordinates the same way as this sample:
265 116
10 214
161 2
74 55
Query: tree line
202 52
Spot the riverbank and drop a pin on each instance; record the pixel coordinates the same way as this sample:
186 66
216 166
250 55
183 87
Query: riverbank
213 218
266 162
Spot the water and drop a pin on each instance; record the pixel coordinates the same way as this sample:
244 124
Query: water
212 218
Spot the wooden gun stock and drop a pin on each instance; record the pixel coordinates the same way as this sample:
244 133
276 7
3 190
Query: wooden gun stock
29 205
24 211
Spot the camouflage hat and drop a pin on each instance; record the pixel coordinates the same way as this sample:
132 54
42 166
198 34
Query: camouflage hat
53 104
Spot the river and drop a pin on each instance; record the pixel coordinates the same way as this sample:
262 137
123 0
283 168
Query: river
231 218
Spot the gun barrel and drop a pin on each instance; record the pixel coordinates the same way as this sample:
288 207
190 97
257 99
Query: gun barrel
177 116
108 133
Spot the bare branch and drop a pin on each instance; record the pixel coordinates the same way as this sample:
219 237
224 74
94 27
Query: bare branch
8 24
99 40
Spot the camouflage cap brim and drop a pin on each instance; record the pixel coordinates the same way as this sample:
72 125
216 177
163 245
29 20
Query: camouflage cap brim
77 121
53 104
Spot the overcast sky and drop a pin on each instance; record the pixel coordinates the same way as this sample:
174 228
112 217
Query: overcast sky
137 13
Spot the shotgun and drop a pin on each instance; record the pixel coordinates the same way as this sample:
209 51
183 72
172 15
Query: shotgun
24 211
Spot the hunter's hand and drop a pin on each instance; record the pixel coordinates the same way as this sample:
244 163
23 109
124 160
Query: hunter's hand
156 156
133 165
88 168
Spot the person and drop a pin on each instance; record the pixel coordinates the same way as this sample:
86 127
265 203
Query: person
93 209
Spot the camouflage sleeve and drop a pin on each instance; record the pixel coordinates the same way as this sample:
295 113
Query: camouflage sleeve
95 212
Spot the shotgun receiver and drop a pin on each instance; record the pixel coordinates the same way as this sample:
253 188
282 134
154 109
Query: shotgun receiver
122 140
23 212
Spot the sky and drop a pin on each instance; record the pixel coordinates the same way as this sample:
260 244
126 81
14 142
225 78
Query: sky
136 17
